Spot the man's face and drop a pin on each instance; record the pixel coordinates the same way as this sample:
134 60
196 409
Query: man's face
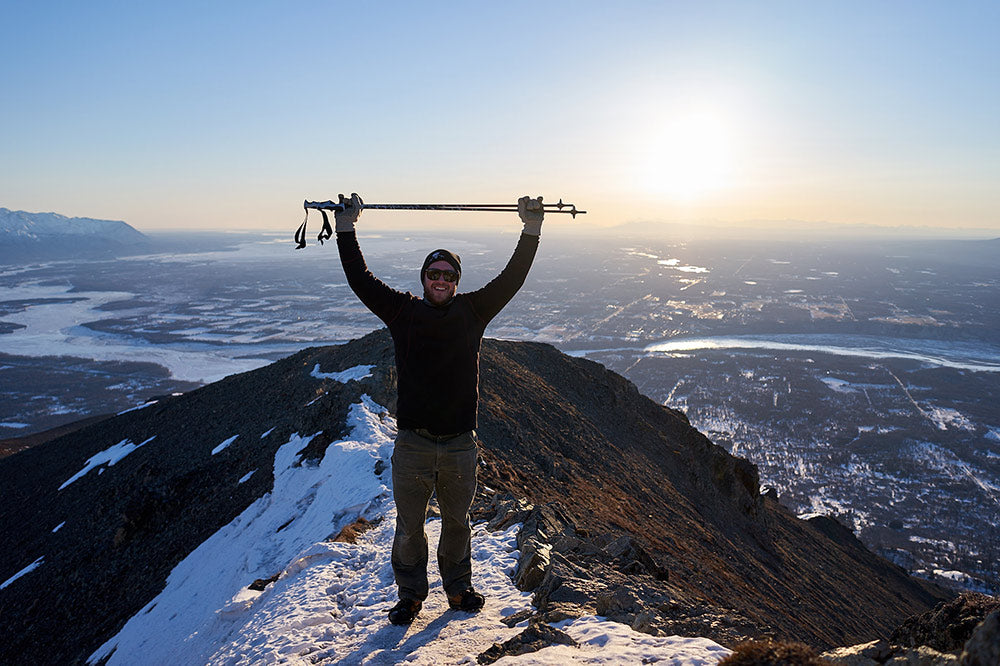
439 291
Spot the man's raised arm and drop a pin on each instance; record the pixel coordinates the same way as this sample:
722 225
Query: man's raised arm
489 300
377 296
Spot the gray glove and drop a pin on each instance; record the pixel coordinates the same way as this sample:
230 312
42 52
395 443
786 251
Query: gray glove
531 212
345 219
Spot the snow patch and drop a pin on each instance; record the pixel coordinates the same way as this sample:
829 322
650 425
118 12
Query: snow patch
224 445
356 373
604 642
137 407
838 385
26 570
107 458
307 504
943 417
246 477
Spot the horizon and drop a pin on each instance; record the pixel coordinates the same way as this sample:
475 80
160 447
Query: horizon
188 117
683 230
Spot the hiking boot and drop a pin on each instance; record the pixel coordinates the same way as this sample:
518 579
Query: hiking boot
467 600
404 611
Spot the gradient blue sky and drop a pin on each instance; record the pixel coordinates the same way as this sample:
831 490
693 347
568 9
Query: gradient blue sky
215 114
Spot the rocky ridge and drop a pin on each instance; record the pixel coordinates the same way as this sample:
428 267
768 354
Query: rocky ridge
630 512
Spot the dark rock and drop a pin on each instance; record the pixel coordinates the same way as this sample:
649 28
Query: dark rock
518 618
948 626
538 635
983 648
617 601
261 583
502 510
769 652
350 533
532 565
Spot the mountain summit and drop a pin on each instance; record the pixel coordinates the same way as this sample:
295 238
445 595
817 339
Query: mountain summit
628 512
51 235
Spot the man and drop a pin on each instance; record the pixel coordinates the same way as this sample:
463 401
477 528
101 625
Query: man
437 339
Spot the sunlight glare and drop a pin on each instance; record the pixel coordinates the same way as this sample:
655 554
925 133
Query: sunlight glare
688 157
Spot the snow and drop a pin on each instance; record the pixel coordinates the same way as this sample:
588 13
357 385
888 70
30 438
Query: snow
358 372
45 226
26 570
246 477
106 458
14 424
150 403
55 328
943 417
58 527
930 352
224 445
838 385
603 642
329 600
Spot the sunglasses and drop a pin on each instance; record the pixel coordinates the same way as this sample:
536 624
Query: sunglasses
433 274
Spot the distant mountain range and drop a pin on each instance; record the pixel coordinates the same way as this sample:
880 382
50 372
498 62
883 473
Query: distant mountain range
25 235
638 506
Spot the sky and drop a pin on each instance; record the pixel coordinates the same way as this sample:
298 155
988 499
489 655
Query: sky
193 115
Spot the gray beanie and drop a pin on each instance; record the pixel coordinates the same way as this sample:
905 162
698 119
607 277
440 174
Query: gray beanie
442 255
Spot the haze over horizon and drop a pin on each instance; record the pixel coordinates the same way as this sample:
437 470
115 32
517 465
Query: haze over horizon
226 116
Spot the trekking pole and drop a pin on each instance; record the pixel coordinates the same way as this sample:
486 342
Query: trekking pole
327 231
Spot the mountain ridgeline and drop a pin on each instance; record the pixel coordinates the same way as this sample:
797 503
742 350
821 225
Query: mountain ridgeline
643 519
41 236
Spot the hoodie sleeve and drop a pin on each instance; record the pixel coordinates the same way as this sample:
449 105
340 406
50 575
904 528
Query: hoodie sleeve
489 300
377 296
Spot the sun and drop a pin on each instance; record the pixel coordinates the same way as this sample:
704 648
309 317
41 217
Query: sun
688 158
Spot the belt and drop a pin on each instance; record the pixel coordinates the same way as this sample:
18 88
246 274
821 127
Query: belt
427 434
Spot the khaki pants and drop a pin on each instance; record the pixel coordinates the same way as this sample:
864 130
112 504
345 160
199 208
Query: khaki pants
421 466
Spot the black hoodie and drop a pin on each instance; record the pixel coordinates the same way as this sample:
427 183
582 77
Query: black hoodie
437 347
